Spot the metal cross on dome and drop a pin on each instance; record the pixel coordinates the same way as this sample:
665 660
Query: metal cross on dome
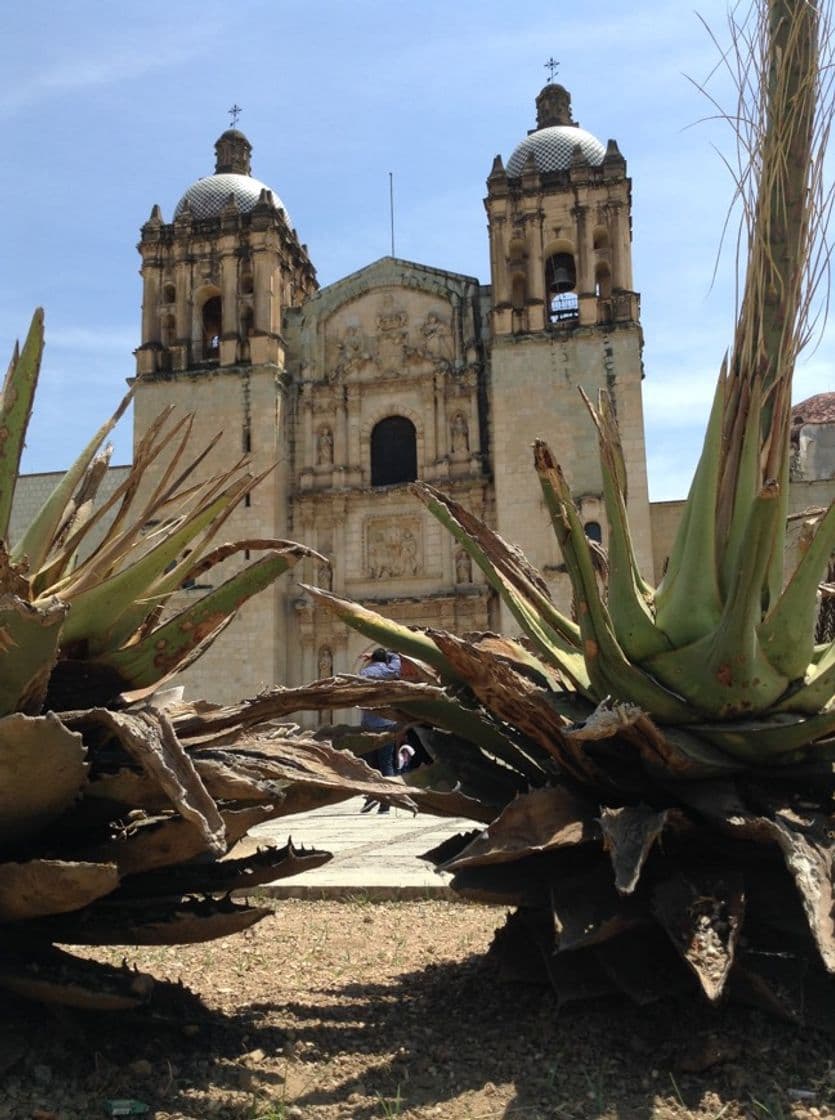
551 66
234 113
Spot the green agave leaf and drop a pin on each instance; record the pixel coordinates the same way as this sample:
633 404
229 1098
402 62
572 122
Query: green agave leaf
629 595
472 724
727 673
392 635
817 691
767 742
38 538
29 638
787 635
168 647
107 614
732 542
556 638
478 775
610 671
687 602
15 410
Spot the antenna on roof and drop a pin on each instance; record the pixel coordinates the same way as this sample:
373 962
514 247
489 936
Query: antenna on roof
551 66
391 208
234 113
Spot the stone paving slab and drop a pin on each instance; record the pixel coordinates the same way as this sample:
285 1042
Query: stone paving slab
375 855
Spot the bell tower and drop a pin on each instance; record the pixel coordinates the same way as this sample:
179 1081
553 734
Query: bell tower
216 282
564 315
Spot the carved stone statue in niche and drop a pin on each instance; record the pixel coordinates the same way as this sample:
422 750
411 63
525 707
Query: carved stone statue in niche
325 662
463 567
436 337
324 447
393 549
459 433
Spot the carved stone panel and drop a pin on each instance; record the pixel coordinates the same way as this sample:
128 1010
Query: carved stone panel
393 548
385 334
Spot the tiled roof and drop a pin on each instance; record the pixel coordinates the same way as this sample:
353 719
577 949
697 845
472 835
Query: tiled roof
819 409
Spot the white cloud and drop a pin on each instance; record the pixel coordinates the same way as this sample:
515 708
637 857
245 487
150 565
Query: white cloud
111 65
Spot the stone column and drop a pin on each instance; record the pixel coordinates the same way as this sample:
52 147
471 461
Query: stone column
150 302
262 274
353 448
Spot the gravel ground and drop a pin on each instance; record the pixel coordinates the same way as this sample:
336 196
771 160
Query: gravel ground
365 1010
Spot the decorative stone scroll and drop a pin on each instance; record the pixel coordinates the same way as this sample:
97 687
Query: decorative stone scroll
393 548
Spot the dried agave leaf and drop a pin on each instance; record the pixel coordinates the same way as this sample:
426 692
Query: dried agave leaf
702 914
628 836
37 887
540 821
149 738
154 922
42 771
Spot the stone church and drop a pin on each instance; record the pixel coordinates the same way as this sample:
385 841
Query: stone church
398 372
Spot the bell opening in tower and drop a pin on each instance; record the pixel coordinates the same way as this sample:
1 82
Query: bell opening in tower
560 285
212 320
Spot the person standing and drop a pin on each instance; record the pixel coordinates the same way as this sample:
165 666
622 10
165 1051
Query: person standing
381 665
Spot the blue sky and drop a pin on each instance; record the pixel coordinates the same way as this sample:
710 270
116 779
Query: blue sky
107 109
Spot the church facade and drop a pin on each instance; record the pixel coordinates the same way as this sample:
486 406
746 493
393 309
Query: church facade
398 372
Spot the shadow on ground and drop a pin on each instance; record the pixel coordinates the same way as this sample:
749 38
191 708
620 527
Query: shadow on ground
446 1041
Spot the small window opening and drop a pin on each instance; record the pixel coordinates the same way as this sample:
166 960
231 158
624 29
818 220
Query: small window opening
601 239
169 293
593 531
247 501
246 284
393 452
603 282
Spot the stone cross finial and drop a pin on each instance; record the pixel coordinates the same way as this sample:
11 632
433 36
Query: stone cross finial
551 66
234 113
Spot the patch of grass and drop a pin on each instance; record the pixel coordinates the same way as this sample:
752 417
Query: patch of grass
769 1108
390 1105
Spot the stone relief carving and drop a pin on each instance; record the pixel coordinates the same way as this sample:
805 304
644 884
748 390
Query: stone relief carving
392 344
392 337
437 339
324 447
393 549
459 434
352 351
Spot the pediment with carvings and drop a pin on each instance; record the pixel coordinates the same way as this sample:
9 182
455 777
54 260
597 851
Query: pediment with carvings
388 333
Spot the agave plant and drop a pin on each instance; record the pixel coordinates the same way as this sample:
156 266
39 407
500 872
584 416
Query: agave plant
660 766
116 801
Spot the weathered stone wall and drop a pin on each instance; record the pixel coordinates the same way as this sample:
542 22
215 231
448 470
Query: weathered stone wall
534 385
245 406
33 490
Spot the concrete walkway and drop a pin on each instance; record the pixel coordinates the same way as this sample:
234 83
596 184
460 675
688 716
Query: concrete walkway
375 855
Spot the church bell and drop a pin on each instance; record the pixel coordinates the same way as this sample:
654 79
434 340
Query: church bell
563 277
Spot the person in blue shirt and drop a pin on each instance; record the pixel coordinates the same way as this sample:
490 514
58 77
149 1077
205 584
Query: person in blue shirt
381 665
